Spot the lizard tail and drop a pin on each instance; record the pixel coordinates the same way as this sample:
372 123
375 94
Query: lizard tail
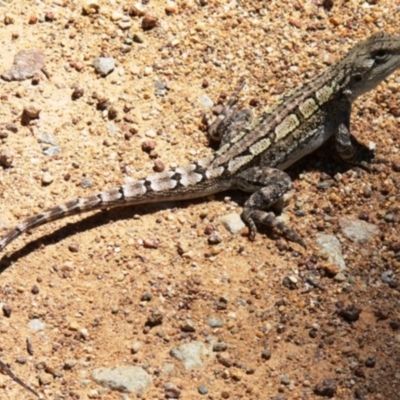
177 184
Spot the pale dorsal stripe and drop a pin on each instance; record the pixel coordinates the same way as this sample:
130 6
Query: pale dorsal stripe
308 107
289 124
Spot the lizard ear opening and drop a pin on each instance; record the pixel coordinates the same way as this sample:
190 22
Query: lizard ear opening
357 78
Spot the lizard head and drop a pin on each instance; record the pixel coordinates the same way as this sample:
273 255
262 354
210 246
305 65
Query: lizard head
370 62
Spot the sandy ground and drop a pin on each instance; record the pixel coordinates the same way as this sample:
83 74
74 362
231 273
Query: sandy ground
94 280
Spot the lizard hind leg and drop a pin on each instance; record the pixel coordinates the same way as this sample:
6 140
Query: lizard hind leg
267 186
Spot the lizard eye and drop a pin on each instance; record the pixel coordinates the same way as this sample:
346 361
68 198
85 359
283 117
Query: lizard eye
380 55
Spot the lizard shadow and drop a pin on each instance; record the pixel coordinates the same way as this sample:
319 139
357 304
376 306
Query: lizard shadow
323 160
99 218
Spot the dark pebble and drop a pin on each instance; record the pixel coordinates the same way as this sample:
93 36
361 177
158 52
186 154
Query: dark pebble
326 388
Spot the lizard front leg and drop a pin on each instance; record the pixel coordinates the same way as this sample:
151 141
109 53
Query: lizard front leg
268 186
347 146
231 121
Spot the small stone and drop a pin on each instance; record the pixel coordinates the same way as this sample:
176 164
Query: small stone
31 112
69 364
155 318
215 322
151 243
285 380
104 65
350 313
214 238
6 310
78 92
47 178
340 277
26 63
159 166
136 347
35 289
396 165
6 157
148 146
33 19
45 378
116 16
12 127
326 388
73 247
9 19
90 7
126 379
188 326
219 346
137 10
171 7
86 183
149 22
233 223
367 191
171 391
202 389
112 112
49 16
370 362
266 354
36 325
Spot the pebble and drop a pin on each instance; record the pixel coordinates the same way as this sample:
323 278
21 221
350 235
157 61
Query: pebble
171 391
327 388
25 65
148 146
12 127
104 65
159 166
202 389
78 92
86 183
136 347
90 7
396 165
36 325
151 243
73 247
191 354
285 380
188 326
47 178
137 9
340 277
171 7
31 112
149 22
233 223
331 249
124 379
205 101
214 238
266 354
45 378
69 364
7 310
6 157
357 230
48 144
215 322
